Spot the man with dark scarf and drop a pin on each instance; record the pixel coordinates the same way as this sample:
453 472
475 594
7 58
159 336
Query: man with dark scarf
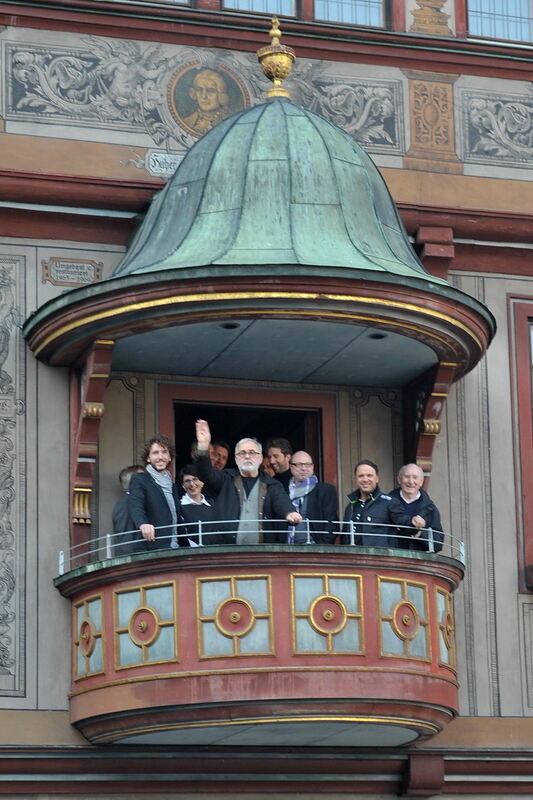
316 501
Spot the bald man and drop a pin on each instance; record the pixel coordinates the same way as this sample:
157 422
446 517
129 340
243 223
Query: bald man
314 500
426 532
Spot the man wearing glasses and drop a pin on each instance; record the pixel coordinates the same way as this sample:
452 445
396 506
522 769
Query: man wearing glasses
316 501
244 495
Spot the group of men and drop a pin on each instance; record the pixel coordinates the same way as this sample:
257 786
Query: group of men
276 498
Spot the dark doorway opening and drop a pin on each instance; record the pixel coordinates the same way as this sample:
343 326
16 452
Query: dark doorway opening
231 422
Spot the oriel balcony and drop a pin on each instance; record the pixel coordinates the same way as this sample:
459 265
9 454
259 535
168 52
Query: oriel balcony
228 644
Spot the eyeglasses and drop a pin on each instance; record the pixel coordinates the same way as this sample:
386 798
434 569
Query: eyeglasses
302 464
191 480
247 453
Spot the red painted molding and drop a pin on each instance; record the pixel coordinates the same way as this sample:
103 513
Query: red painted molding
520 317
461 22
397 15
212 298
476 224
18 186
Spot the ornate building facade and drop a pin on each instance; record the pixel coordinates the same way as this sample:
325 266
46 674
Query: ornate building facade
329 672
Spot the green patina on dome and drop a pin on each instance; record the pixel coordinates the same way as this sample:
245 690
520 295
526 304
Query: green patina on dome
275 184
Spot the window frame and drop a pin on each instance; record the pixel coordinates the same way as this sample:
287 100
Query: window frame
521 323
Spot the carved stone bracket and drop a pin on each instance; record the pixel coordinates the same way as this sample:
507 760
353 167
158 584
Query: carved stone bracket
88 387
429 425
424 776
437 249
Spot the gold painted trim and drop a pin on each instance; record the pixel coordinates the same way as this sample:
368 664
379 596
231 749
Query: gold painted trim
424 622
219 626
404 722
311 296
450 609
202 618
325 631
157 626
99 633
357 615
122 629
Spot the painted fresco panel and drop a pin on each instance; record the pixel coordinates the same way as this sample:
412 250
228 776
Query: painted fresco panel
12 476
154 101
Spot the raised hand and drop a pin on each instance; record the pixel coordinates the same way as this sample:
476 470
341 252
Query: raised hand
203 435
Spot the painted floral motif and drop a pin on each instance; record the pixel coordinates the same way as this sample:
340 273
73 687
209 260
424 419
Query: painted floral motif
500 128
132 86
367 110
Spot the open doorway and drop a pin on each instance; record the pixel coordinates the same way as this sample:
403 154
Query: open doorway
231 422
307 418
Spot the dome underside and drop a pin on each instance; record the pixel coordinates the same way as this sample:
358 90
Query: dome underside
275 184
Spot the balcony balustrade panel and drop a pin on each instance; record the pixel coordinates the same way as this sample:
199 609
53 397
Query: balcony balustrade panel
212 642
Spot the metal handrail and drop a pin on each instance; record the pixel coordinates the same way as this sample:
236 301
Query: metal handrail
209 533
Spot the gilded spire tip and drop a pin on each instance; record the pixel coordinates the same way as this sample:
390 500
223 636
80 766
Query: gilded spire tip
276 61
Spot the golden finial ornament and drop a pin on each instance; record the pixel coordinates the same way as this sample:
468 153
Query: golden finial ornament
276 60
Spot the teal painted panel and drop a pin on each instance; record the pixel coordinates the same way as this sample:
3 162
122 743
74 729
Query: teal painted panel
195 166
209 239
339 145
133 257
265 216
361 222
320 237
312 179
271 256
270 142
225 180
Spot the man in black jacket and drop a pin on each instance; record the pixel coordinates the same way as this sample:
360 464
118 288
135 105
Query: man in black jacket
316 501
426 532
372 514
124 540
243 495
154 500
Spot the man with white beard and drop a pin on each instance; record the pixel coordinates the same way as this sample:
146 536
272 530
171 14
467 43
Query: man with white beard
243 495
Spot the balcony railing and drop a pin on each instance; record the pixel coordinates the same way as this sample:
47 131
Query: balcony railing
176 538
